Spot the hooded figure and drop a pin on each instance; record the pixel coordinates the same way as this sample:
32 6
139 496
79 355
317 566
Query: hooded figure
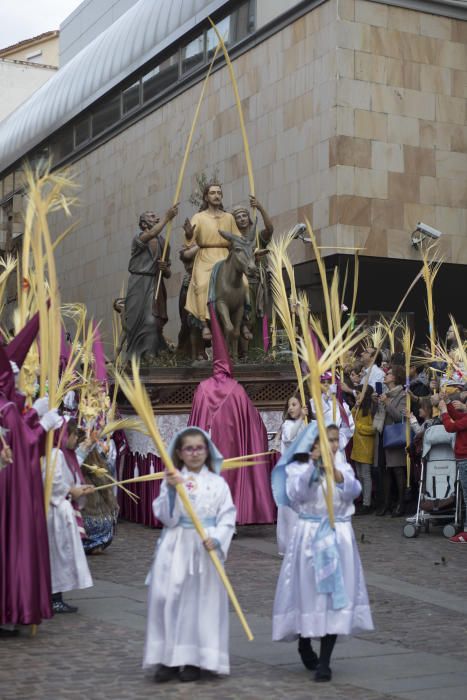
223 409
25 592
187 622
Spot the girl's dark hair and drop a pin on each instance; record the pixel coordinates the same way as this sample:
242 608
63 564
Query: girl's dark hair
285 414
427 406
366 403
72 426
191 432
399 374
295 395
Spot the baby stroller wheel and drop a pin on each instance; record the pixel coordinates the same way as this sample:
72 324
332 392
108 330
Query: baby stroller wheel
449 530
411 530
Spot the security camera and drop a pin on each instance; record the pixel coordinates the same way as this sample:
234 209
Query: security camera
423 231
299 231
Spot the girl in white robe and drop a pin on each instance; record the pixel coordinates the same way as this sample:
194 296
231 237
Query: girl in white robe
69 567
188 616
292 426
321 590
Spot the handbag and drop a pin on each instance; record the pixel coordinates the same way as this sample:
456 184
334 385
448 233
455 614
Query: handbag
394 436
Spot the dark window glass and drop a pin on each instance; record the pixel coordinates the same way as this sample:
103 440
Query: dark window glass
193 54
161 77
106 115
63 144
232 28
82 131
130 98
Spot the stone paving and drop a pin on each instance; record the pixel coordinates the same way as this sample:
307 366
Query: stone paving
418 590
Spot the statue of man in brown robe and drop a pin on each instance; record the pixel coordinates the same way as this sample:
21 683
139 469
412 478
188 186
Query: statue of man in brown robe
146 315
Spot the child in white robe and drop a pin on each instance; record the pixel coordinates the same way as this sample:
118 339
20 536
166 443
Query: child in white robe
69 567
292 426
321 590
188 615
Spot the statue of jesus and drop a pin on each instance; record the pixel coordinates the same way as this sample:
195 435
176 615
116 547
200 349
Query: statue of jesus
204 227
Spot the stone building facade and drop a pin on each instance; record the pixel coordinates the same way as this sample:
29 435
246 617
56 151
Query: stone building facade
356 116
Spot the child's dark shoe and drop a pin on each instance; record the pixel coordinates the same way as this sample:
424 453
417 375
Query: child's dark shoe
323 674
189 674
307 655
164 674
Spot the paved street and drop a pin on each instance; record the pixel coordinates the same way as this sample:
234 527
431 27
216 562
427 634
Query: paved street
418 590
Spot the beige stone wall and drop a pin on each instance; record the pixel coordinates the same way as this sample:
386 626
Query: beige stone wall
356 119
401 146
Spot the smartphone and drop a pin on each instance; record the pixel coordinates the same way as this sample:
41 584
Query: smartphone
379 388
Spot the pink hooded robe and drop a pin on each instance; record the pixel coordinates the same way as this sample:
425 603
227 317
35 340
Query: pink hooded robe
222 407
25 589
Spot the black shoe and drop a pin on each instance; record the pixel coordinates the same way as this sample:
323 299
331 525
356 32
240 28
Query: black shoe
5 633
323 674
398 512
385 510
363 510
165 673
60 607
189 674
308 656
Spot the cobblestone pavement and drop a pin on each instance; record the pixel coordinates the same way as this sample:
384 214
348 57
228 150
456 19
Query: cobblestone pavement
418 590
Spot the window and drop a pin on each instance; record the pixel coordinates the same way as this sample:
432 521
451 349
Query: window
130 97
193 54
232 28
211 37
107 114
63 144
82 131
161 77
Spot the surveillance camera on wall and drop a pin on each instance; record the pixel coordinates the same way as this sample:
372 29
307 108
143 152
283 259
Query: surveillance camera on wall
424 231
299 231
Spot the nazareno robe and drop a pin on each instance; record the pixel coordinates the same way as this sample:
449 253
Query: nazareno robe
145 316
25 589
188 615
68 562
222 407
301 608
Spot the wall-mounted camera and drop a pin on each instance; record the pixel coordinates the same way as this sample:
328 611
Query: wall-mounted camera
299 232
422 232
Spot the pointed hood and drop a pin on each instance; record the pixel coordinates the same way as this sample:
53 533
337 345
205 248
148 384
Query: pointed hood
18 348
220 355
100 371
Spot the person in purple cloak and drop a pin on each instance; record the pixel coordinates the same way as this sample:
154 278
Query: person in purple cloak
25 592
223 409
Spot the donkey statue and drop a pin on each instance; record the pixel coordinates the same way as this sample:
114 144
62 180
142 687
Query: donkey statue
229 287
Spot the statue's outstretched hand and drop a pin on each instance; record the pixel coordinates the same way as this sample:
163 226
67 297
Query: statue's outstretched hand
189 229
172 212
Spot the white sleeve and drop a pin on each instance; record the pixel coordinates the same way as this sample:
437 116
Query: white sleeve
302 484
225 521
350 488
60 485
166 507
346 431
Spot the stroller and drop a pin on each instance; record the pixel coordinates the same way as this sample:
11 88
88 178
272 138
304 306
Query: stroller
439 501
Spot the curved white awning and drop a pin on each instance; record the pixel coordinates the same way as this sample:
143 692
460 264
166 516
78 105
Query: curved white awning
141 33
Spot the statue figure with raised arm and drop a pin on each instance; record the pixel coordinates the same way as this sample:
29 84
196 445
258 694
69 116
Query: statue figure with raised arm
146 315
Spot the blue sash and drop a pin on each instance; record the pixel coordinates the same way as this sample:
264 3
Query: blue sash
326 560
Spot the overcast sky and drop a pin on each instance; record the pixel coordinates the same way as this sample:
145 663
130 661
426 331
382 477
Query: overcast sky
22 19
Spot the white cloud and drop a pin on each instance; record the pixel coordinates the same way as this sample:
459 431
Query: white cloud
22 19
